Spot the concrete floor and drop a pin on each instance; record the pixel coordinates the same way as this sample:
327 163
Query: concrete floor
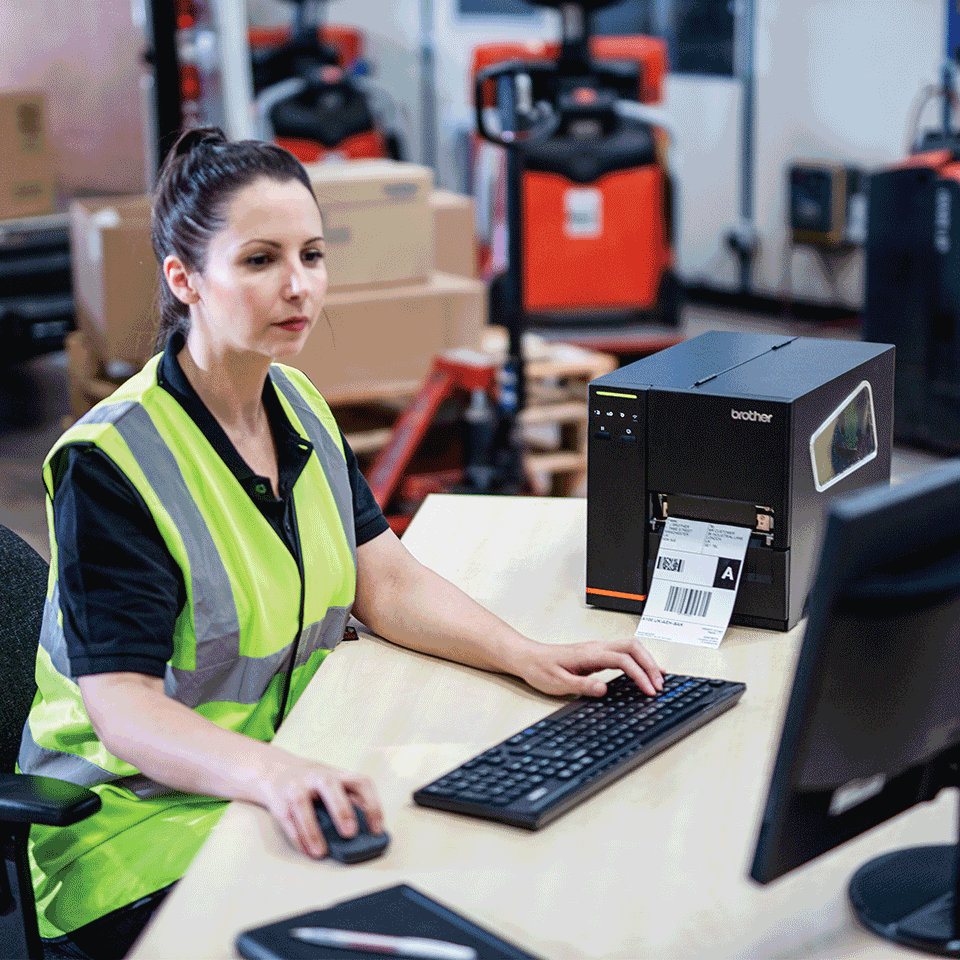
34 402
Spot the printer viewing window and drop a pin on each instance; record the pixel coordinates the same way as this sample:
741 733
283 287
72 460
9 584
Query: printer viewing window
846 440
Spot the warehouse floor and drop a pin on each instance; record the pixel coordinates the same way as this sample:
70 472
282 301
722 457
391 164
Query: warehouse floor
34 402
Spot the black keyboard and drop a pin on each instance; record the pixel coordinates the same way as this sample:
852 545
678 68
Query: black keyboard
534 776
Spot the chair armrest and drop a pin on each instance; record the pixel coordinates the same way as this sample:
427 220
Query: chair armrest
44 800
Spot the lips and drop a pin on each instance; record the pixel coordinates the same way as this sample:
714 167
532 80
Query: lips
293 323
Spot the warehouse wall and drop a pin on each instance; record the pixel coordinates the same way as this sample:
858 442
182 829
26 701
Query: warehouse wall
86 57
835 81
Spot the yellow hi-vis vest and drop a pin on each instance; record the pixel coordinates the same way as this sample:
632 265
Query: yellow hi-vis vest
248 613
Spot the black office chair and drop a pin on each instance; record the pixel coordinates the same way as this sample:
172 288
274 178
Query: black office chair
24 799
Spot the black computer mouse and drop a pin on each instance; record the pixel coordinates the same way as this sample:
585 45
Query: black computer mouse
364 846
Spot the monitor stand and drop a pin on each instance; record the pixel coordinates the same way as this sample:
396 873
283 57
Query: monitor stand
909 896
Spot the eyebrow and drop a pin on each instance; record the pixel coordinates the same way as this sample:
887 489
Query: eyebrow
277 246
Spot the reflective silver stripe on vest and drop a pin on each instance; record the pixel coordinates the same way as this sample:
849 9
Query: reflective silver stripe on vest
215 618
42 762
245 679
108 413
99 414
327 453
51 636
324 635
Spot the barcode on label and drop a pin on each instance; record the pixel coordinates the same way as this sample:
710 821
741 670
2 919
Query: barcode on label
673 564
685 600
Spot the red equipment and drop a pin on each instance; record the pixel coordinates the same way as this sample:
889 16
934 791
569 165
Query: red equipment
455 372
603 248
310 90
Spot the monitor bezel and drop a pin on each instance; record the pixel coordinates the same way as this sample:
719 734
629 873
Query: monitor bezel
856 529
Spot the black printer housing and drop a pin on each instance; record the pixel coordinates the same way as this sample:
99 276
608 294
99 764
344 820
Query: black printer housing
727 428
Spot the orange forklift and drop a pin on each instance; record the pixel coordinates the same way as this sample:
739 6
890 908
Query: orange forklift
312 96
589 197
589 220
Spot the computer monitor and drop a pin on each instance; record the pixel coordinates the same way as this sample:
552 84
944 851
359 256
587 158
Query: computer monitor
873 722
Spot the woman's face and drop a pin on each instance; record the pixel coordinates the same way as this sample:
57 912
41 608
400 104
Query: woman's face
265 280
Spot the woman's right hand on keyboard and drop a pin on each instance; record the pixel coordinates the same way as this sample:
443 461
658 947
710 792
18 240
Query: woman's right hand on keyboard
567 668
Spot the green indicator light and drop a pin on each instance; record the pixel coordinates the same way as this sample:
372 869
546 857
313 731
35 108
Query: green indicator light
605 393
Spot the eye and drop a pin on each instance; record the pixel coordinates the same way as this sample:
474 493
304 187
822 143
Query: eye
258 260
312 255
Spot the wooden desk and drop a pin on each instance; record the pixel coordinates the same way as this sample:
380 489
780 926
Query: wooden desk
654 866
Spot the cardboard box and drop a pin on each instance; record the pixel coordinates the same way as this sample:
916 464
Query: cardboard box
377 221
455 233
115 276
27 173
383 340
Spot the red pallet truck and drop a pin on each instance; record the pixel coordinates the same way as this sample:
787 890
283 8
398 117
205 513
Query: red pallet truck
589 222
312 97
589 198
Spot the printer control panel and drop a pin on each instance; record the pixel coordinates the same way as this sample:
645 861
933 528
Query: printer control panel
615 417
616 498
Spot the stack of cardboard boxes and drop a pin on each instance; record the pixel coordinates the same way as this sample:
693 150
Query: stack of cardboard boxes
391 306
114 281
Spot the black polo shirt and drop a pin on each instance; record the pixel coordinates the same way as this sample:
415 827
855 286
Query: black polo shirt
120 589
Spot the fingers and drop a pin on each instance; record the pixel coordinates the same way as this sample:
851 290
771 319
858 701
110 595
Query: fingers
640 656
363 793
635 672
588 686
577 663
305 833
293 805
333 793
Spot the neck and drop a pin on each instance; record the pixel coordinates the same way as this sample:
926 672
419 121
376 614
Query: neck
229 383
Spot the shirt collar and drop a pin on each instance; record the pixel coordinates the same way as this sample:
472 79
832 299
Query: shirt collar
293 450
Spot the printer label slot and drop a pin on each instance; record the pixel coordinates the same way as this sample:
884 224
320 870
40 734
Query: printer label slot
738 513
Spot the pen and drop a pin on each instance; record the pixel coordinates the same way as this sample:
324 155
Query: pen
418 947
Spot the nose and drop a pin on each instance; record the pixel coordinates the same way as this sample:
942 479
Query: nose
295 287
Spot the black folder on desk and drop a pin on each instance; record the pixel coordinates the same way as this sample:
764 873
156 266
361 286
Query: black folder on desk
401 911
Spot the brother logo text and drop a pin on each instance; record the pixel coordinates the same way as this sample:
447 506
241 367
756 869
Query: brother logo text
751 415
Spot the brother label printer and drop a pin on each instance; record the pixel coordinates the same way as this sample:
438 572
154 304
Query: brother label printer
746 429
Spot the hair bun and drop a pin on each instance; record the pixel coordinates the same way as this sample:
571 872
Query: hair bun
198 137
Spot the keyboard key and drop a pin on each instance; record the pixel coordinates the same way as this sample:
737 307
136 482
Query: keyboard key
473 796
547 754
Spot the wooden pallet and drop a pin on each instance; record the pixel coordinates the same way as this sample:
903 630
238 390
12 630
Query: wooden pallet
553 424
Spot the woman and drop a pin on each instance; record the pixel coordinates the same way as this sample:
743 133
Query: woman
210 535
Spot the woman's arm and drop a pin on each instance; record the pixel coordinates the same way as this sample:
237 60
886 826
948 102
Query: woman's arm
406 602
137 722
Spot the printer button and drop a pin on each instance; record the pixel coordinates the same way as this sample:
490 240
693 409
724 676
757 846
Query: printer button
630 438
602 435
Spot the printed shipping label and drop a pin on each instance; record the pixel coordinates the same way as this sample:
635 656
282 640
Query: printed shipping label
695 582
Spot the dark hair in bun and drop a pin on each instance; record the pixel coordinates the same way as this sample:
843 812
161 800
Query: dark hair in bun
197 180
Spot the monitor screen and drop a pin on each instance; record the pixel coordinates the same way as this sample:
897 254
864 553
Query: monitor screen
873 722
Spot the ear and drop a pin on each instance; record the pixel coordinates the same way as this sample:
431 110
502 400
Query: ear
180 280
